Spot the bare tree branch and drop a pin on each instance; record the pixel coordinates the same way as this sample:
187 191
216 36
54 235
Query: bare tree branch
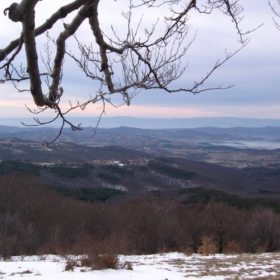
61 13
28 26
69 30
277 13
144 58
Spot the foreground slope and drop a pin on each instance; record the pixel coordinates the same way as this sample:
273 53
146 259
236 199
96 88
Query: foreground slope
175 266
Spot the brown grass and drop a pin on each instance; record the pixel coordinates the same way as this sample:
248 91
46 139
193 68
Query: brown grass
105 261
233 247
249 266
208 246
96 262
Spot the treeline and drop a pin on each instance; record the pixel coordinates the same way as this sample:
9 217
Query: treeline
35 219
205 196
10 166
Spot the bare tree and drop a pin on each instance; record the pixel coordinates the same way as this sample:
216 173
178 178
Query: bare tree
220 219
276 12
265 230
149 61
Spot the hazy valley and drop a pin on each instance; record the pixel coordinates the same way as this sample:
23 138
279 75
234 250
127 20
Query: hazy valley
138 191
134 161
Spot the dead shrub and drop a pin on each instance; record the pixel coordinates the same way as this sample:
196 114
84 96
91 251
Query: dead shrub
189 251
233 247
70 265
86 261
26 272
100 261
105 262
208 246
126 265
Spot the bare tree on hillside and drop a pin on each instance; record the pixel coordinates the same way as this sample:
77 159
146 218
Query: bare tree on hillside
149 61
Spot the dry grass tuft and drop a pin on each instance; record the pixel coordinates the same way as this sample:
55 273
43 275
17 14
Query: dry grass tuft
208 246
232 247
96 262
105 262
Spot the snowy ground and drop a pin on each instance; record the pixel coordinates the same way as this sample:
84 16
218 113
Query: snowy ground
171 266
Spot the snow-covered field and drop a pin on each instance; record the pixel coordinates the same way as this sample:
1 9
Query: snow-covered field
171 266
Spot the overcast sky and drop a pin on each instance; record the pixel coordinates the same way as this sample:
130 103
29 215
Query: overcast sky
255 70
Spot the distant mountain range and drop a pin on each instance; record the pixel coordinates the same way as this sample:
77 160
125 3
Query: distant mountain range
154 123
85 136
158 141
135 137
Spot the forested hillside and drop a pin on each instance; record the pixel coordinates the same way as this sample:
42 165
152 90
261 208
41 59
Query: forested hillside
36 219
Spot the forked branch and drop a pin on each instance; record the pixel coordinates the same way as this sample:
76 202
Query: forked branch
144 58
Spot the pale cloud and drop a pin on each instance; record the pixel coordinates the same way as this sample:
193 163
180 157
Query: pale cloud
16 109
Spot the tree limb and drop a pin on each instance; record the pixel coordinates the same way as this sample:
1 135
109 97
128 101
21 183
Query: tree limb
69 30
59 14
